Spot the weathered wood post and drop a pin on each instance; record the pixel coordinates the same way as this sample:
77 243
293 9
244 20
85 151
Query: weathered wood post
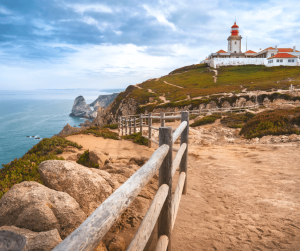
126 126
165 177
122 125
141 124
12 241
184 139
162 121
130 125
149 129
134 125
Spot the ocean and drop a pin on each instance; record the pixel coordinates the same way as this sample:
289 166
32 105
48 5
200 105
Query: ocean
37 113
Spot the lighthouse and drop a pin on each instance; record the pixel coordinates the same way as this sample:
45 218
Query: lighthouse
234 41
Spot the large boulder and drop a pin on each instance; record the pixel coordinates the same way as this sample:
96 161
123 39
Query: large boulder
88 186
97 157
42 241
81 109
38 208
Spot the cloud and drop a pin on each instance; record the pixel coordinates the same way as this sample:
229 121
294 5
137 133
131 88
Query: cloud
70 42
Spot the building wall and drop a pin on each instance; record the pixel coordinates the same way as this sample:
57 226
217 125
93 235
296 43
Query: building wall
235 45
284 62
216 62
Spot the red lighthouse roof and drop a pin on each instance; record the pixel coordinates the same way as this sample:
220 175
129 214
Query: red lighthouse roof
235 25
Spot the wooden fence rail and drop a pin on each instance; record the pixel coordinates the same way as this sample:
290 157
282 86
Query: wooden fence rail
164 206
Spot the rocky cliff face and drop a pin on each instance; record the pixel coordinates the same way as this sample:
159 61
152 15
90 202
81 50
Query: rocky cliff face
104 100
81 109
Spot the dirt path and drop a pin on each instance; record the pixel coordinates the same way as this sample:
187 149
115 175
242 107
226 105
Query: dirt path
241 198
138 86
173 85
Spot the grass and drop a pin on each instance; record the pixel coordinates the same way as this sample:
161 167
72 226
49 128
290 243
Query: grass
206 120
100 132
236 120
26 168
276 122
111 126
84 160
137 138
197 80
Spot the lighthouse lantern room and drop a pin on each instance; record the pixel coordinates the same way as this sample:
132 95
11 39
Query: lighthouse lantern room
234 41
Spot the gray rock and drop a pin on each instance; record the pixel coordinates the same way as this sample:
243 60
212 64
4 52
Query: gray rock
42 241
80 109
88 186
38 208
104 100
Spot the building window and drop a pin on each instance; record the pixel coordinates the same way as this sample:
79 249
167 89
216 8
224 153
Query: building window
234 51
272 54
291 60
234 42
281 60
277 60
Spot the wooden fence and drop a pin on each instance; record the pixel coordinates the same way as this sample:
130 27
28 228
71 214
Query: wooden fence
164 206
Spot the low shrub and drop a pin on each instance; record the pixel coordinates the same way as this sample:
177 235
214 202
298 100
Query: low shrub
100 132
236 120
84 160
277 122
111 126
206 120
26 168
137 138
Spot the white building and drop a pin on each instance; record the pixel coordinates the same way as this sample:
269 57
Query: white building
235 56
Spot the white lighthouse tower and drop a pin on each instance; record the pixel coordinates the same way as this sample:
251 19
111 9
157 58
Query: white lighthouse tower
234 41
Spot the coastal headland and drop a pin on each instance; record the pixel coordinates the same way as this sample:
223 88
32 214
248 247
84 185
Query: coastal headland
243 171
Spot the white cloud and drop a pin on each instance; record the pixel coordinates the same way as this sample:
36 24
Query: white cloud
91 7
160 17
5 11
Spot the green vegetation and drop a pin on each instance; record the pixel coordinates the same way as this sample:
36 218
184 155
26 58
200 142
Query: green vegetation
111 126
276 122
137 138
26 168
84 160
100 132
206 120
236 120
189 67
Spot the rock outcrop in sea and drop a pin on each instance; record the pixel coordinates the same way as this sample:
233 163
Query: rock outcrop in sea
81 109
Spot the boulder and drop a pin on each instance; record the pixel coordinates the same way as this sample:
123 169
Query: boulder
38 208
80 109
42 241
285 107
226 104
101 247
198 118
68 130
97 157
88 186
87 123
267 139
117 244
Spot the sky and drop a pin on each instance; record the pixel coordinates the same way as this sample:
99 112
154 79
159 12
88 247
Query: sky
66 44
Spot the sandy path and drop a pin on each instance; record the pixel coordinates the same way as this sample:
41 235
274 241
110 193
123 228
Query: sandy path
241 198
113 147
173 85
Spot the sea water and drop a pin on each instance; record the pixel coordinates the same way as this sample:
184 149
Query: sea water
38 114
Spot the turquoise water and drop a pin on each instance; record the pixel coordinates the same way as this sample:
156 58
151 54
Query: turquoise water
39 113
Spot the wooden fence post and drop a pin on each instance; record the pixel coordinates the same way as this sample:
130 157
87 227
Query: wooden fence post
149 129
165 177
126 126
134 123
184 139
122 121
141 124
130 125
162 121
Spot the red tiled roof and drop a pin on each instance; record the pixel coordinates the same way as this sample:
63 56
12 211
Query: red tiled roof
221 51
286 50
283 55
250 51
270 48
234 26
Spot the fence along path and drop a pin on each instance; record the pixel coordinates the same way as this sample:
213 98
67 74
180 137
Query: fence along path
163 208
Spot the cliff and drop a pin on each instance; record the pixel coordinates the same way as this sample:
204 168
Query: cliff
193 86
104 100
81 109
